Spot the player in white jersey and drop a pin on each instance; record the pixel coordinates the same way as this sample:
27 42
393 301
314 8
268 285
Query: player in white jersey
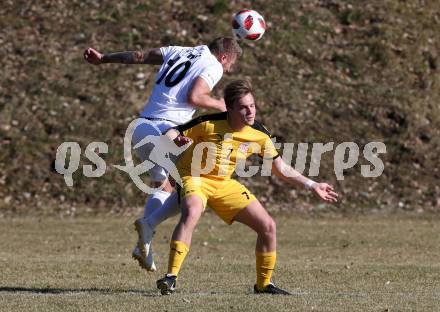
184 82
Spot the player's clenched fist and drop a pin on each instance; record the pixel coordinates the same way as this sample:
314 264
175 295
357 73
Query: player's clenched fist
92 56
182 140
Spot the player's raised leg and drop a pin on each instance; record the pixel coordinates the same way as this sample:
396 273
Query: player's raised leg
160 206
257 218
159 200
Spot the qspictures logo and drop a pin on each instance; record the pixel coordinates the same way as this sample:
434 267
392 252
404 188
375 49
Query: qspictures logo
158 152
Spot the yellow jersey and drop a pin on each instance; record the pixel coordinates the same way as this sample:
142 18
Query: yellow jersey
216 148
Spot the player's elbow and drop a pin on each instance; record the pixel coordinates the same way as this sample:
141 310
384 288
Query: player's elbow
278 167
197 100
192 99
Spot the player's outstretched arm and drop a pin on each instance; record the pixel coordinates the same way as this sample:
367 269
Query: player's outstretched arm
199 96
150 56
323 190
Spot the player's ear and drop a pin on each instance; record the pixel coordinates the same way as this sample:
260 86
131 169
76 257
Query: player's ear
223 58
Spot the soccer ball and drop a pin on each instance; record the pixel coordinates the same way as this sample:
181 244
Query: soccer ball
248 24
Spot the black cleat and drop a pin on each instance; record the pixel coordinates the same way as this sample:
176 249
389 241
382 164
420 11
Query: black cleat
167 284
271 289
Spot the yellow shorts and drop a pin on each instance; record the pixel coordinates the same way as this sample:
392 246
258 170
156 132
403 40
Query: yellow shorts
225 197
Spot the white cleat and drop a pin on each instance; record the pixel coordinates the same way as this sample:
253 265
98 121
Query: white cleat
148 264
145 233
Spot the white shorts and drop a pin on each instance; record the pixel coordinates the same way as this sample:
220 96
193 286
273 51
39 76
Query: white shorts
143 128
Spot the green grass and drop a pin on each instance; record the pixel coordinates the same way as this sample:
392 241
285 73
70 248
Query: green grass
364 264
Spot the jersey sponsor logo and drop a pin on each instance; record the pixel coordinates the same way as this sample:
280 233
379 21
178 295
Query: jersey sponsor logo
244 147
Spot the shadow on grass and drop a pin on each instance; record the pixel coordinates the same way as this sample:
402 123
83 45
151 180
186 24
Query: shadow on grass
55 291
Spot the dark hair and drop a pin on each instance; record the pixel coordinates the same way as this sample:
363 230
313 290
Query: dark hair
235 90
224 45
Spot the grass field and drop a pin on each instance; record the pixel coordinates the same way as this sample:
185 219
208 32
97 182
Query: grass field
357 264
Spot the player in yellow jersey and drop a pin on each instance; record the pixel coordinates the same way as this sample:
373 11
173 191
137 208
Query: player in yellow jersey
219 143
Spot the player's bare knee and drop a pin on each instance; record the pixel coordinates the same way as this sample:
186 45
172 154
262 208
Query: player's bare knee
269 227
190 216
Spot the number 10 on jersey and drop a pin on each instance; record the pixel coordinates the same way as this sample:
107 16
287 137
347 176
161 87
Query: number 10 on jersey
171 70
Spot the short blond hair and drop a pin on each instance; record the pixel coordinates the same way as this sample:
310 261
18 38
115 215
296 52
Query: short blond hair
225 45
235 90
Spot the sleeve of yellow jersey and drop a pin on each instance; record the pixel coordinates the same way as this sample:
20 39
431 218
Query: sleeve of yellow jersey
268 150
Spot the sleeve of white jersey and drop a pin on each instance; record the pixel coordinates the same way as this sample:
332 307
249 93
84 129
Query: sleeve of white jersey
168 51
212 75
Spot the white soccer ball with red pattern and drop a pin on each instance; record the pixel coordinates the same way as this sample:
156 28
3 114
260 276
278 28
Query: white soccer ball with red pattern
248 24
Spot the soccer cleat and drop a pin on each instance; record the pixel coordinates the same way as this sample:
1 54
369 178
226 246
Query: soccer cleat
167 284
145 234
271 289
147 264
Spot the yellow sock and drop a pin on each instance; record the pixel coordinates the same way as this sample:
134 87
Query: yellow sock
265 265
178 252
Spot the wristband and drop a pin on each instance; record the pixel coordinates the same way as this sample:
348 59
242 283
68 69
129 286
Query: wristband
309 184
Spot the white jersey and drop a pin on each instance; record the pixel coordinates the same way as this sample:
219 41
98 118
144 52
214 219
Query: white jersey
181 66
